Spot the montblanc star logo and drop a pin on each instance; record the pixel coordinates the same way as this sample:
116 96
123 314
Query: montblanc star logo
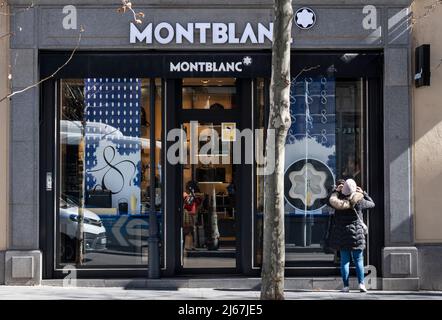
308 184
305 18
247 61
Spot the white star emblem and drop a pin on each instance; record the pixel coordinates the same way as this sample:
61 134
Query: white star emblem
308 184
305 18
247 61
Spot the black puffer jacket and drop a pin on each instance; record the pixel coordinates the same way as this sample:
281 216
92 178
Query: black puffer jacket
347 232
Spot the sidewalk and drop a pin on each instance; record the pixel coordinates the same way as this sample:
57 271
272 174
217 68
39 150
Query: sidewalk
69 293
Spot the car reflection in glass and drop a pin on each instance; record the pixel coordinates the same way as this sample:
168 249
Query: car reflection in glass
125 242
94 231
70 133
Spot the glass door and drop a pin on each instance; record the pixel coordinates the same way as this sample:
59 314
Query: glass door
208 221
208 205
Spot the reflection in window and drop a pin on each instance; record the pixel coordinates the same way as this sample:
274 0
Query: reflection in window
105 165
324 143
350 143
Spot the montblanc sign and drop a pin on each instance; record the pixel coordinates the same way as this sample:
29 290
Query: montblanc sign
210 66
203 33
214 32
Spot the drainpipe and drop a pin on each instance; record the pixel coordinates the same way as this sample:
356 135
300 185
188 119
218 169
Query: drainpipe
154 252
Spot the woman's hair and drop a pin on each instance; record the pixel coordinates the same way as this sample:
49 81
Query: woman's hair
192 186
340 181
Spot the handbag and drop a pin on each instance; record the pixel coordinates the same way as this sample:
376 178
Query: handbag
123 206
99 198
364 226
190 204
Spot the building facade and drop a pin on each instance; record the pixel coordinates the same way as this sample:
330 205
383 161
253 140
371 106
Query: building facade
4 143
123 129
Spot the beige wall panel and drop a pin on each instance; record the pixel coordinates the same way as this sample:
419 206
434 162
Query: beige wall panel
427 110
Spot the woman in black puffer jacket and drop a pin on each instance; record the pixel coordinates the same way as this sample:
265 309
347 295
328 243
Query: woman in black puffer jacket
348 231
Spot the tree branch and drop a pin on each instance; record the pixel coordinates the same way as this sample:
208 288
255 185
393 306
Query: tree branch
4 4
127 6
50 76
6 35
429 10
306 69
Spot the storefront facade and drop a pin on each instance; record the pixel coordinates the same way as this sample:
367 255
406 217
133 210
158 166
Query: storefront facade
4 144
105 130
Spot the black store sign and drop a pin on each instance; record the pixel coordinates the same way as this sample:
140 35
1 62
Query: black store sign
167 65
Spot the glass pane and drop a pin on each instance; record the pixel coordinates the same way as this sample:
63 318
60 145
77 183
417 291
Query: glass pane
209 217
323 144
105 171
349 137
209 94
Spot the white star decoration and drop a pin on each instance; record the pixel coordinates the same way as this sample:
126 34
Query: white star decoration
305 18
315 181
247 60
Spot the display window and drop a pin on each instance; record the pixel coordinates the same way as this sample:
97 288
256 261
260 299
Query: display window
105 171
331 102
109 131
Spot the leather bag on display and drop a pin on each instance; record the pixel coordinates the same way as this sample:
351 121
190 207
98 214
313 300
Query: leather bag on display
99 198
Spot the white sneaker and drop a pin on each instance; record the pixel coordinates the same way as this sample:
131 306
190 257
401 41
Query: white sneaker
362 287
345 289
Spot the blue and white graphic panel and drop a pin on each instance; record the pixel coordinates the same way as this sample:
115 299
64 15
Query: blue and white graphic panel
310 152
113 144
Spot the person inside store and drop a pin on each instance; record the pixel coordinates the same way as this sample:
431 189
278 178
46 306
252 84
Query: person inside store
191 204
348 234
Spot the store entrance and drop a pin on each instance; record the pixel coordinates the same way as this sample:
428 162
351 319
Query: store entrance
208 209
208 221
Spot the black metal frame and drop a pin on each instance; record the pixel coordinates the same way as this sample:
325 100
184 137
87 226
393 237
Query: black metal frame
373 116
242 116
49 200
96 64
46 221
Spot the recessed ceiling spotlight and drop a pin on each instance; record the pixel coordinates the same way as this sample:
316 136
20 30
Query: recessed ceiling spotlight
348 57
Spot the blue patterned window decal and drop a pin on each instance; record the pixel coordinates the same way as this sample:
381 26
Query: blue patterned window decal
310 153
113 144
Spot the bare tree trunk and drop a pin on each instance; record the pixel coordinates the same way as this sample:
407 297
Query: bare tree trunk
79 258
279 120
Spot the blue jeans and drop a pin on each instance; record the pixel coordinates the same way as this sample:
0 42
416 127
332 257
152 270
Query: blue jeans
358 259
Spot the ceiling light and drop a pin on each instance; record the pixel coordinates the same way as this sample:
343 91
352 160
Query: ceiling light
348 57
